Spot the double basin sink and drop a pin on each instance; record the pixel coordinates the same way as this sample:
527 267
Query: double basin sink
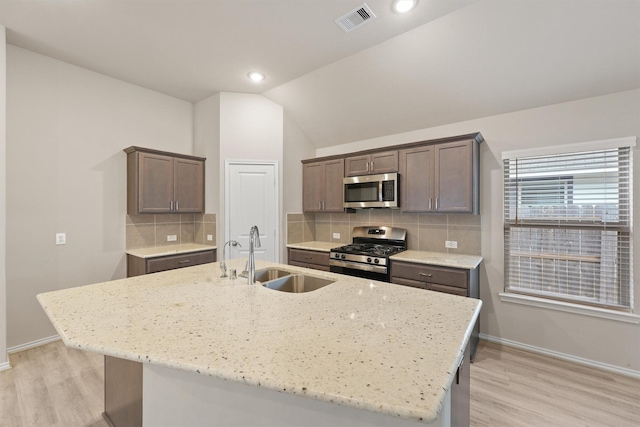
286 281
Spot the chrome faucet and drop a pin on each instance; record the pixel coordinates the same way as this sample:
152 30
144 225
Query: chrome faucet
254 241
223 265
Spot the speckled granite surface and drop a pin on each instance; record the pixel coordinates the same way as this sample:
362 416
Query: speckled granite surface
423 257
168 250
439 258
315 246
365 344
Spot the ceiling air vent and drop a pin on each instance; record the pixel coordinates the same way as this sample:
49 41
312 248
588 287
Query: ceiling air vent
357 17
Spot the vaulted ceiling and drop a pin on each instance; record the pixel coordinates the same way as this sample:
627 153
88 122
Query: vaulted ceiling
447 61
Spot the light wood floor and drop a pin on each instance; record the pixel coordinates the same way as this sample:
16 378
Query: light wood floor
53 385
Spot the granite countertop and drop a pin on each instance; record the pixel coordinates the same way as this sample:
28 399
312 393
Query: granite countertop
423 257
360 343
439 258
168 250
315 246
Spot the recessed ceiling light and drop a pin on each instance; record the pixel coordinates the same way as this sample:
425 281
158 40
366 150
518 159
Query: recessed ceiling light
256 76
403 6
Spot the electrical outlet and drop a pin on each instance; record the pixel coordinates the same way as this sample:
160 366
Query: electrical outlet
172 238
61 238
336 235
451 244
210 237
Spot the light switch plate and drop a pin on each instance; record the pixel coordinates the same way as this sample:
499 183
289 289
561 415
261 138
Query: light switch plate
336 235
61 238
451 244
172 238
210 237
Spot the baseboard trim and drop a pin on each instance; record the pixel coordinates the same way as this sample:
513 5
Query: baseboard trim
32 344
4 366
562 356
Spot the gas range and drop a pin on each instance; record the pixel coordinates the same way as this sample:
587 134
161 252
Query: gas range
368 255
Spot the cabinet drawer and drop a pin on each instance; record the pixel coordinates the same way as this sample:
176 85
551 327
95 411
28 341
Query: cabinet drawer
172 262
309 257
447 289
407 282
426 273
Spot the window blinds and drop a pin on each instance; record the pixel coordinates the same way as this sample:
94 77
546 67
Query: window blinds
567 226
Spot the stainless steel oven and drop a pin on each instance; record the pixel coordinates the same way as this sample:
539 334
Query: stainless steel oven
368 255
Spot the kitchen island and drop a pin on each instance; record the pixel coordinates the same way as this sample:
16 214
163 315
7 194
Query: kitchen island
216 351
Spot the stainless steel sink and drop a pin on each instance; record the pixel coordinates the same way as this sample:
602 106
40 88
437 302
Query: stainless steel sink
297 283
266 274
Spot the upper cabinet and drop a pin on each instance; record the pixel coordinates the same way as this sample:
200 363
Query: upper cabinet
161 182
322 186
435 176
367 164
440 178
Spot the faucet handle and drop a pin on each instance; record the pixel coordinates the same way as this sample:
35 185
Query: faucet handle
245 272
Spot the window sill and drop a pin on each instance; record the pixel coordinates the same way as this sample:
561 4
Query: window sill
569 307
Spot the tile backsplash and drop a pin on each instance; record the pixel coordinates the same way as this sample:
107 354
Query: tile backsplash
425 232
148 230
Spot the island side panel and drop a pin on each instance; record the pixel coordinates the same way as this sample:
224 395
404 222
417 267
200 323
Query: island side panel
122 392
173 397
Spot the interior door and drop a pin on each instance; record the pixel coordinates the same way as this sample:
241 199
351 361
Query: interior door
252 199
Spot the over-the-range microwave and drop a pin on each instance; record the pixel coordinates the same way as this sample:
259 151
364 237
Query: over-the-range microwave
371 191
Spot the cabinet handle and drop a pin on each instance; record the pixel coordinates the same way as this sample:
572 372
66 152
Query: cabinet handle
323 208
371 166
320 205
436 203
184 262
429 204
177 208
367 164
171 205
425 274
307 257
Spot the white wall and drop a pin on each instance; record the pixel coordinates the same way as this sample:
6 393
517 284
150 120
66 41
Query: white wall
206 127
3 198
602 341
251 128
66 128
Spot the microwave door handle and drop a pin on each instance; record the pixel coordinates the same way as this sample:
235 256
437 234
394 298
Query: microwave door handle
380 184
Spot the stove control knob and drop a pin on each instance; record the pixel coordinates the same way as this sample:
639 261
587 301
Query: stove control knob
368 259
343 256
377 261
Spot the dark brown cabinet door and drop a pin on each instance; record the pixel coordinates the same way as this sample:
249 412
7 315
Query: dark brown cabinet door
454 177
312 187
416 179
368 164
386 162
333 186
322 189
188 185
160 182
155 183
356 165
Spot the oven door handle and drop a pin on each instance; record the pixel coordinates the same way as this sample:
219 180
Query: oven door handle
357 266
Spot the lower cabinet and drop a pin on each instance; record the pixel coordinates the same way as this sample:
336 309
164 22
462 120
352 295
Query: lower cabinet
122 392
455 281
461 392
309 259
137 266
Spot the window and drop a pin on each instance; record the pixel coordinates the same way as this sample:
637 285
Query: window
568 223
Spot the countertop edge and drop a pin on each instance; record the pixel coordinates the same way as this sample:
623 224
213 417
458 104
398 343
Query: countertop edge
160 251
